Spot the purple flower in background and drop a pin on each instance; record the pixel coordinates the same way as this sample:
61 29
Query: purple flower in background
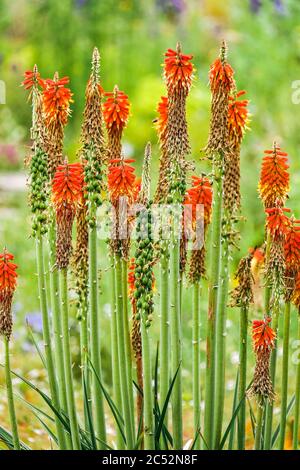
34 320
255 5
176 5
279 7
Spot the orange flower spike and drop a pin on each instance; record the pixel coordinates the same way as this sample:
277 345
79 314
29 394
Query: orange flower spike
277 222
200 193
296 292
221 73
8 274
292 245
68 184
238 115
116 109
263 336
178 69
274 178
32 78
162 110
56 101
121 179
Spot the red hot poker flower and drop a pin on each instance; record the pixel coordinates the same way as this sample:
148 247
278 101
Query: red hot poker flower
56 101
296 292
221 74
277 222
116 109
200 193
67 185
121 179
8 282
292 245
161 121
8 274
263 335
178 69
274 178
32 78
237 116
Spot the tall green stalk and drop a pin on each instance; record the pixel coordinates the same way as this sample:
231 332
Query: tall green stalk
115 354
147 381
47 338
259 426
242 377
284 377
269 406
164 331
220 346
297 398
127 415
57 328
212 307
176 345
196 361
63 284
10 398
99 418
128 349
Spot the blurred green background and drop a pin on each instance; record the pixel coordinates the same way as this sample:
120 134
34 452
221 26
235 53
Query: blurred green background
264 48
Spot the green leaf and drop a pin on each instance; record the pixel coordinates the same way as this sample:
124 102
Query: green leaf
276 432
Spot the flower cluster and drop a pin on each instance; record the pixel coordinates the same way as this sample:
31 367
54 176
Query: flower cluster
238 117
263 337
200 194
242 295
121 180
221 73
56 101
277 222
274 178
67 195
8 283
116 113
178 69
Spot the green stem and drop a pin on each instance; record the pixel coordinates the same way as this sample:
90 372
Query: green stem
285 370
56 315
10 398
259 425
47 339
297 399
242 377
164 332
122 355
220 346
212 307
196 361
95 346
128 349
85 373
115 355
67 359
147 380
269 406
176 346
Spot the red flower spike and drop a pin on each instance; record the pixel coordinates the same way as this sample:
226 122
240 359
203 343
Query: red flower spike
178 69
32 78
263 336
56 101
221 73
161 121
116 109
67 185
200 193
274 178
121 180
277 222
238 115
8 274
292 246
